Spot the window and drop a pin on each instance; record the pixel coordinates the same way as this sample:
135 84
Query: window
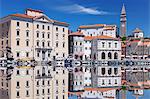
37 34
27 54
115 81
48 91
63 54
109 44
37 43
103 71
109 81
27 72
17 23
48 43
18 42
115 55
43 35
37 92
43 44
115 71
48 27
57 82
27 92
103 55
27 42
27 33
103 44
56 28
103 82
18 32
17 54
63 82
17 93
109 71
63 96
27 83
18 84
48 35
2 42
37 83
63 29
109 55
37 26
43 27
63 44
115 45
27 25
43 83
43 91
38 53
63 36
56 35
56 44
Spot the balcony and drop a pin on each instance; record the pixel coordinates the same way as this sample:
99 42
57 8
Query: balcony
44 48
43 76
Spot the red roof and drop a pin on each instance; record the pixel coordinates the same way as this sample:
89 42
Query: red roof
78 33
91 26
99 37
22 16
34 10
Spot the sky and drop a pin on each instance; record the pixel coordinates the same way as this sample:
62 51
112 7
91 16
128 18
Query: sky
86 12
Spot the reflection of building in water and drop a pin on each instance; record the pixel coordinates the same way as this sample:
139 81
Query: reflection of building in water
137 75
39 82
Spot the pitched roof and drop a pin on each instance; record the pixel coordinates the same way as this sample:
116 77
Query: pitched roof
99 37
62 23
78 33
34 10
91 26
137 30
22 15
123 11
109 27
99 89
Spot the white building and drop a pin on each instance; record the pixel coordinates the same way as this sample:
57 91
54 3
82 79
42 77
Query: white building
138 33
34 35
39 82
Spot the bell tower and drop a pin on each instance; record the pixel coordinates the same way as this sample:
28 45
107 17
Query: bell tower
123 22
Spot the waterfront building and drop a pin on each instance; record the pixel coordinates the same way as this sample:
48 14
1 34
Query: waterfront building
34 35
39 82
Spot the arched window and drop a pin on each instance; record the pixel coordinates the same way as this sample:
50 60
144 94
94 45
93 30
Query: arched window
109 71
115 55
76 56
109 55
43 71
103 55
103 71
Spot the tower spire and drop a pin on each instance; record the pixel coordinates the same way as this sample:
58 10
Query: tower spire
123 10
123 22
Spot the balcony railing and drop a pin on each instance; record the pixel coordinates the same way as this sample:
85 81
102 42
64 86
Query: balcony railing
43 76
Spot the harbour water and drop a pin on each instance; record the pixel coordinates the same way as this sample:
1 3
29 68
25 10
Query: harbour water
129 95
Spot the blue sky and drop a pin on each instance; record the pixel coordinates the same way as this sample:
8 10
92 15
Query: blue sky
83 12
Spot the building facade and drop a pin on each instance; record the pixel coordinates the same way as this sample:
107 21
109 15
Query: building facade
34 35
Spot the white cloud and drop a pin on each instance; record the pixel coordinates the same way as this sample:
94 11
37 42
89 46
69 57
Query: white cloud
81 9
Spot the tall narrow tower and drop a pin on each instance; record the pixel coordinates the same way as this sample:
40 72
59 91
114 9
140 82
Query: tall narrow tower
123 22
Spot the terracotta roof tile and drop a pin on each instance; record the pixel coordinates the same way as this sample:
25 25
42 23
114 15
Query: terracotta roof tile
99 37
34 10
77 33
99 89
91 26
22 16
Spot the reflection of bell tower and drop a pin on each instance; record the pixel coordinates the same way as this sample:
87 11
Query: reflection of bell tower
123 22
